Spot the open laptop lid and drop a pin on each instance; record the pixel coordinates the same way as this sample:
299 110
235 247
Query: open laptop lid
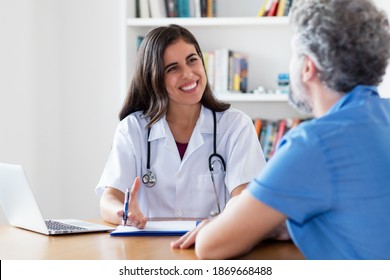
20 207
17 199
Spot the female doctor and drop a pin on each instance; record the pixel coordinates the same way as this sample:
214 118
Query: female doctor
182 152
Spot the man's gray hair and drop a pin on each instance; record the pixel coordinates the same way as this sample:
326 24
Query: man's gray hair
348 40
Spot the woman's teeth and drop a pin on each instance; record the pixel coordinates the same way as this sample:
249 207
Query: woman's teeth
189 87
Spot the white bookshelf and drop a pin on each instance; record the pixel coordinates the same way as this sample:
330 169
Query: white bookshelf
209 22
249 97
266 41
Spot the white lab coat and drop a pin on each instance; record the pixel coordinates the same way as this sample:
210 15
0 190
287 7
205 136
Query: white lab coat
184 187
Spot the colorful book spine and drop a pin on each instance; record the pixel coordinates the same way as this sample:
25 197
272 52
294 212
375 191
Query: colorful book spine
273 9
288 6
227 70
270 133
263 8
279 134
171 7
244 74
203 8
281 8
258 124
183 8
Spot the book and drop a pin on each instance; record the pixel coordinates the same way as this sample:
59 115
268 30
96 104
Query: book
144 9
171 8
196 8
244 74
238 72
281 130
287 8
203 8
221 74
210 66
270 132
281 8
227 70
258 124
158 8
267 7
183 8
273 9
261 12
157 228
211 8
137 9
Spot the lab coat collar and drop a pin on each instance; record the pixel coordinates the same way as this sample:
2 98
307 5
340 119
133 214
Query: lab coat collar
158 130
204 125
206 122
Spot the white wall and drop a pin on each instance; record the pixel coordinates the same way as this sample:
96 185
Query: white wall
62 76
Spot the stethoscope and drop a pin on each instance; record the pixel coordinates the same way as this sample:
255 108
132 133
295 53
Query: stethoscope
149 178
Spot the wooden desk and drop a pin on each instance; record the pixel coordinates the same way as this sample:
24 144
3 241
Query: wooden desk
17 243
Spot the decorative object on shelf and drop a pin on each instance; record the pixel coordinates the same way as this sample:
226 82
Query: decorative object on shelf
283 83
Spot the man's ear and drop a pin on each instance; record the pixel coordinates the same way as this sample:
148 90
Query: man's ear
309 69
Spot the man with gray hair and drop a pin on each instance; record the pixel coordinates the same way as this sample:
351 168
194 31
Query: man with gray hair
329 178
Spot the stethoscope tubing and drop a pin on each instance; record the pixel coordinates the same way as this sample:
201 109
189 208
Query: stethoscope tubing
150 179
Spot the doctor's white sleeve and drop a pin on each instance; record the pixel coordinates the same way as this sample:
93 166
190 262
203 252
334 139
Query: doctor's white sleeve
120 169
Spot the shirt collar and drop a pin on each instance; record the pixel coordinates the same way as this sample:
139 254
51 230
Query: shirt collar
356 95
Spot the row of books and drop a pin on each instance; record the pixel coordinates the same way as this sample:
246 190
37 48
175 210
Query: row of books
271 8
227 70
271 131
175 8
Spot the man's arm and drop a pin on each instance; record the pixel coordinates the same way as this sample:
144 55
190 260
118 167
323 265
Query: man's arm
237 229
188 240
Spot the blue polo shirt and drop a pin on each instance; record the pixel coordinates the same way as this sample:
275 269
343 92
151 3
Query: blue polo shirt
331 177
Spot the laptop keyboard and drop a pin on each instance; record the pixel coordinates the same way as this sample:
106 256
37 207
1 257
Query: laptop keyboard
55 225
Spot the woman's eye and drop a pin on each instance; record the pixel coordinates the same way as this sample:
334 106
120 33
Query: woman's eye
170 69
193 59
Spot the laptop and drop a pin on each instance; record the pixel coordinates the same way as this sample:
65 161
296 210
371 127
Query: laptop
21 209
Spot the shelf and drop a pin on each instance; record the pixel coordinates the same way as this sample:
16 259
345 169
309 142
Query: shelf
246 34
216 21
242 97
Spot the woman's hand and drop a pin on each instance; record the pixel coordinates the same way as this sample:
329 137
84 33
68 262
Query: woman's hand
135 217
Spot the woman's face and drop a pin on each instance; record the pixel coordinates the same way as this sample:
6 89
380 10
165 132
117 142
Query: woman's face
184 74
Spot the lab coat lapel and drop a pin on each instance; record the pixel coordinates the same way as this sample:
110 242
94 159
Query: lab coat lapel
161 130
204 125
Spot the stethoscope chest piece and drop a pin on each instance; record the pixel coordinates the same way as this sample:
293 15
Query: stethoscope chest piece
149 179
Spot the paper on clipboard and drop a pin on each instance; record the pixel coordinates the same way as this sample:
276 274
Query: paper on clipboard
156 228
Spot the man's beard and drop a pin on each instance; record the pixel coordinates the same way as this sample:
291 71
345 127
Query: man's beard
298 98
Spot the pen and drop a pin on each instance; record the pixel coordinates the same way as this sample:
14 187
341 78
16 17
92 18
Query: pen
126 206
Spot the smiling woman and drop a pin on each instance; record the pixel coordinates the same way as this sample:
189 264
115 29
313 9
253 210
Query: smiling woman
171 127
185 77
